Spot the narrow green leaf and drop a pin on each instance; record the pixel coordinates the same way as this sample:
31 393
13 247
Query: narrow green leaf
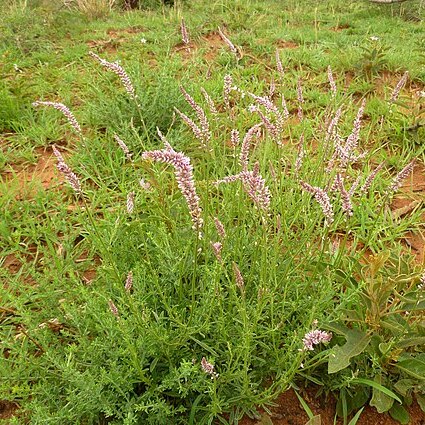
315 420
339 357
378 386
421 401
305 406
356 417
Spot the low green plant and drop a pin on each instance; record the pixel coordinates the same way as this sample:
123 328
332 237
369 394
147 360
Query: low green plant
223 261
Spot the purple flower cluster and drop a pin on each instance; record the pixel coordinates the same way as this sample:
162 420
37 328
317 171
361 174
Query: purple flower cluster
184 177
208 368
118 70
69 175
65 110
315 337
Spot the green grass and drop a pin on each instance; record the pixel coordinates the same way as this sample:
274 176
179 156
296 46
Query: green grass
68 359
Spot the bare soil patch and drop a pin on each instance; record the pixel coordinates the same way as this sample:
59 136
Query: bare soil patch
28 178
7 409
290 412
285 44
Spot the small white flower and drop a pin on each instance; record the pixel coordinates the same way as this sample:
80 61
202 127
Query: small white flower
374 38
143 40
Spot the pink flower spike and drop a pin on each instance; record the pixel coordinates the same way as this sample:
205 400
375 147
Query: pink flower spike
370 178
254 131
199 134
210 102
402 175
332 81
184 32
238 277
69 175
300 98
234 138
113 308
220 228
399 86
231 46
118 70
129 282
185 180
217 247
65 111
323 200
347 206
279 65
130 202
205 129
123 147
227 88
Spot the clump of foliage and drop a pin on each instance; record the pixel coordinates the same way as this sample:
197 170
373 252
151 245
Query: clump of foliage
234 262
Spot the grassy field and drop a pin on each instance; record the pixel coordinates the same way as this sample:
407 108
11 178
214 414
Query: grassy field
234 214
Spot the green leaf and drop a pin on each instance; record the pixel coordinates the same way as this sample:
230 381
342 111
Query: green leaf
399 413
409 342
421 401
378 386
403 386
305 406
356 417
413 366
380 399
315 420
339 357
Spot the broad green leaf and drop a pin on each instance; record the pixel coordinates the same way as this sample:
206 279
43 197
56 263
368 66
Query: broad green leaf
409 342
356 417
399 413
315 420
339 357
413 366
403 386
380 399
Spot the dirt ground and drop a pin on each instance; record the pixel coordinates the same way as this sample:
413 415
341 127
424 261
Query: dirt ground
290 412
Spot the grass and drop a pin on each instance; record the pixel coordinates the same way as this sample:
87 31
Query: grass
67 357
